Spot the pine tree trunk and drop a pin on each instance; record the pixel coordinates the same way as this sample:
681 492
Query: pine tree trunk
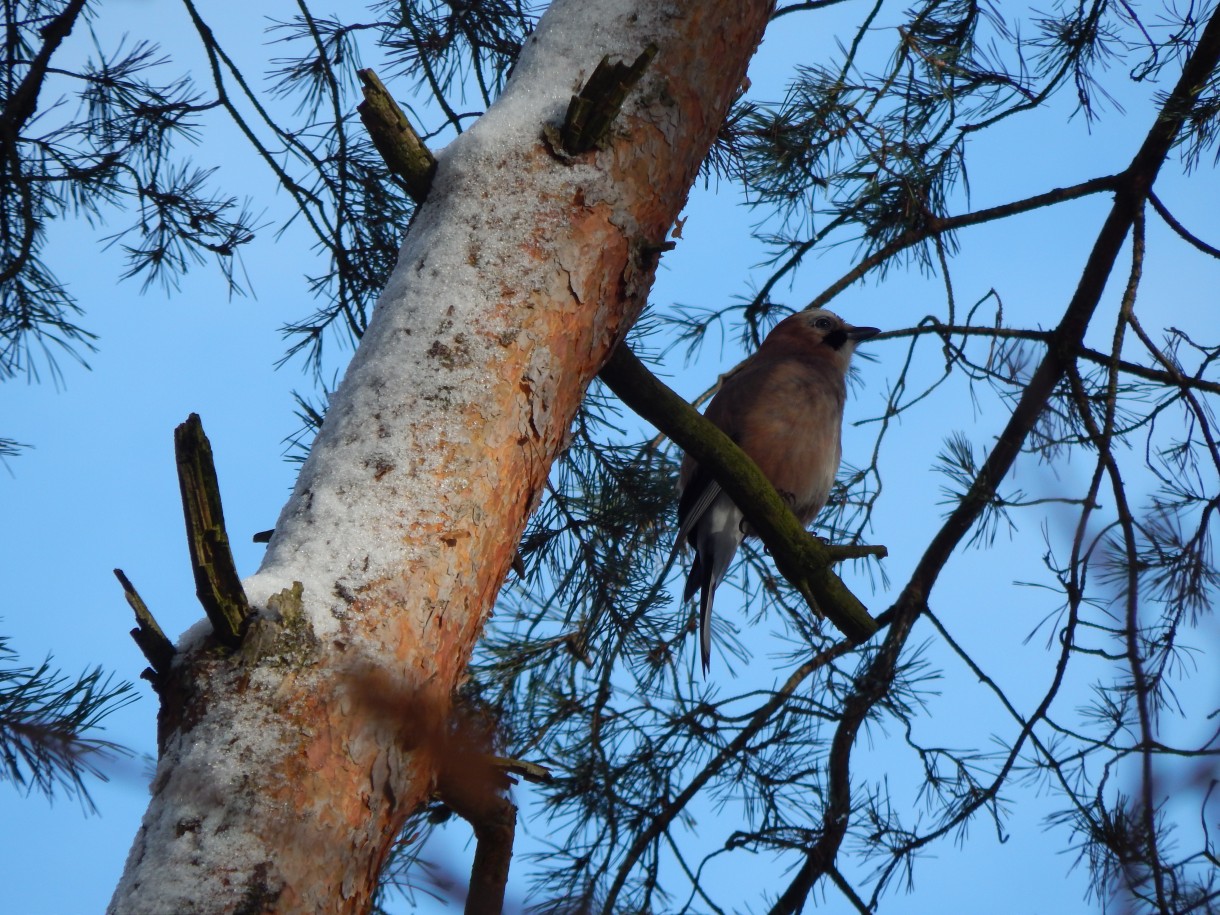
287 766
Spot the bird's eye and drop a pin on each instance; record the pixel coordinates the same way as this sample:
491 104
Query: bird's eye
823 323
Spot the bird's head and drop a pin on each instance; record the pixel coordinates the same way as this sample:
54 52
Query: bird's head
820 332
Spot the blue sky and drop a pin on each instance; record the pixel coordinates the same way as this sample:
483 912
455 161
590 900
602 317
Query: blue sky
98 490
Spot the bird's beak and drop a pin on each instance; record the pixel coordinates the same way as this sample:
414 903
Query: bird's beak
861 333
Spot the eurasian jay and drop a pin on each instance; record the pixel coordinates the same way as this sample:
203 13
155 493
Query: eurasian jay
783 406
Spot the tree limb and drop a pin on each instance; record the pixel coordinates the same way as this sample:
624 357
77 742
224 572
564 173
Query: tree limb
1132 189
24 101
1170 376
148 635
592 111
216 580
935 226
400 146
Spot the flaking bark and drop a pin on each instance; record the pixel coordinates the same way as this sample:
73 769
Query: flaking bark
285 774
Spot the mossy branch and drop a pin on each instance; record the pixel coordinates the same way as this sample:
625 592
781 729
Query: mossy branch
592 111
800 557
400 146
216 580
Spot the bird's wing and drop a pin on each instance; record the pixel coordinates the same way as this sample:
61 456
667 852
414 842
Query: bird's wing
697 497
699 487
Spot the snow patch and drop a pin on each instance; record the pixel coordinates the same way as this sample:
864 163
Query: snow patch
379 465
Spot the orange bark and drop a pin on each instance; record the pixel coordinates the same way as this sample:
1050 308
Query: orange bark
289 767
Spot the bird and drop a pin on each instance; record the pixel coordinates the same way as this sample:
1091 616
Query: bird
783 406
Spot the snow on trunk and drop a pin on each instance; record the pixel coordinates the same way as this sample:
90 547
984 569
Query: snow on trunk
288 767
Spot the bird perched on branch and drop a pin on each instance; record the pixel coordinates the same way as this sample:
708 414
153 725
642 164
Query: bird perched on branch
783 406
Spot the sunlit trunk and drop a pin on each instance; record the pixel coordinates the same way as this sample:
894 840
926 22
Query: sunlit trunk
289 765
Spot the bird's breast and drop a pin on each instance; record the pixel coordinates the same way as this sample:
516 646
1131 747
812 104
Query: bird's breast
786 414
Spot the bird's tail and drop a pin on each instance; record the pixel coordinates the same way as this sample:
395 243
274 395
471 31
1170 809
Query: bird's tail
701 579
705 622
715 544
